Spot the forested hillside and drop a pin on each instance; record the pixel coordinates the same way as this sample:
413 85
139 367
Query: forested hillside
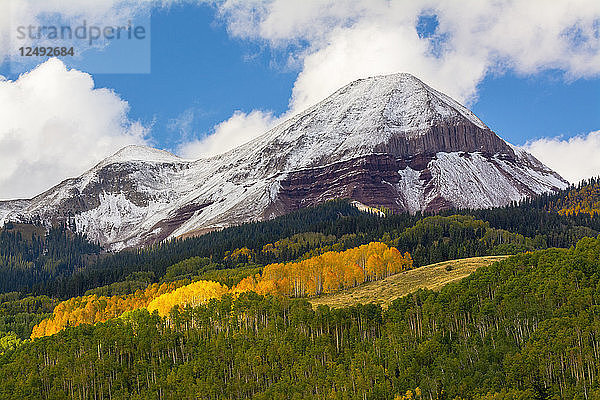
585 198
326 273
30 254
334 226
524 328
64 265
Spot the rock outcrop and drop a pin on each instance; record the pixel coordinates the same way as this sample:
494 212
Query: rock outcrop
387 141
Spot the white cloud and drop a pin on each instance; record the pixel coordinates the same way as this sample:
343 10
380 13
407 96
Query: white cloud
182 125
574 159
55 124
348 39
367 50
237 130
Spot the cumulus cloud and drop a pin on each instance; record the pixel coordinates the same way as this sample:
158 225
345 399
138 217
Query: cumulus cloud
369 50
56 124
339 41
237 130
574 158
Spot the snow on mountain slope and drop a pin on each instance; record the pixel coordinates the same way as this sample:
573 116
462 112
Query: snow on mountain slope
388 140
140 153
11 207
353 121
477 182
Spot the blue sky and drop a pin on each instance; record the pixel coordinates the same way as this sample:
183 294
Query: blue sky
221 73
520 109
198 66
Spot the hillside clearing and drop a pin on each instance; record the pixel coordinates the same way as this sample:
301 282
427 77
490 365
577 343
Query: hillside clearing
433 276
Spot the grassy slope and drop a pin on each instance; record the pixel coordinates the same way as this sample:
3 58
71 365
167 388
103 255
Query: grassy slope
383 292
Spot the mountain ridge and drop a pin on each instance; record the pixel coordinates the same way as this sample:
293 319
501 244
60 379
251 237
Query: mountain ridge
389 141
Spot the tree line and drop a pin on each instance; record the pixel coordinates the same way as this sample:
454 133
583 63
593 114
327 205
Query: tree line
527 327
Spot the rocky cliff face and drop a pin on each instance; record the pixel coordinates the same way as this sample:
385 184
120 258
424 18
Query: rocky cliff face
387 141
447 137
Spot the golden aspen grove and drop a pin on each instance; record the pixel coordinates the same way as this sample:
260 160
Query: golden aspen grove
326 273
584 199
92 309
329 272
193 294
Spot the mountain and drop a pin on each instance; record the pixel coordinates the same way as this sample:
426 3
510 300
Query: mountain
387 141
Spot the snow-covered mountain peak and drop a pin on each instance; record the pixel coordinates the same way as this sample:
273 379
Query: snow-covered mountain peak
140 153
358 119
409 104
389 141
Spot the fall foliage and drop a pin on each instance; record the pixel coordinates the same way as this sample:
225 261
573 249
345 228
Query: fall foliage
94 308
193 294
326 273
585 199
